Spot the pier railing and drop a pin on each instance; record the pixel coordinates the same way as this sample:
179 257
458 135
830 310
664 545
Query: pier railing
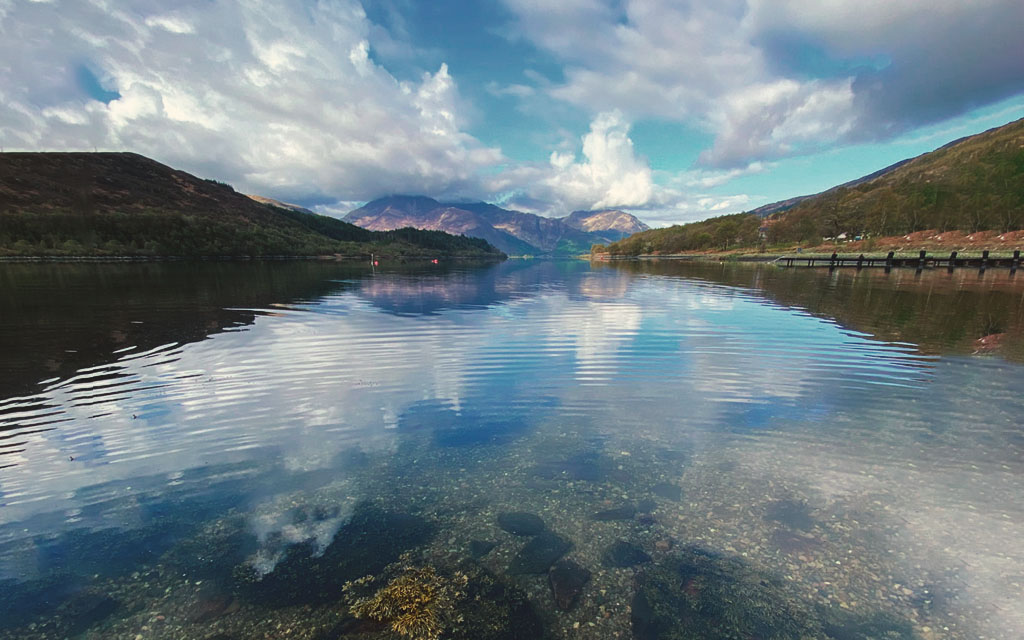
922 261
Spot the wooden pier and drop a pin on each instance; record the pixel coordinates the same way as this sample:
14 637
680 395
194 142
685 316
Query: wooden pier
922 261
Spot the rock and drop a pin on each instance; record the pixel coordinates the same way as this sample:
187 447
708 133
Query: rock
667 491
520 523
625 512
567 579
494 609
792 513
663 544
480 548
211 604
539 554
624 554
85 609
713 596
646 505
646 519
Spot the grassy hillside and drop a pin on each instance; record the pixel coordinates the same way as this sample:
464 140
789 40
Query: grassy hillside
97 204
973 184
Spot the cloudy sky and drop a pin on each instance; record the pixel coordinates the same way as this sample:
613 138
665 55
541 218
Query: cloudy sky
673 109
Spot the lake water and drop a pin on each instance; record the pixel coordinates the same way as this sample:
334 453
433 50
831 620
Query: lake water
212 451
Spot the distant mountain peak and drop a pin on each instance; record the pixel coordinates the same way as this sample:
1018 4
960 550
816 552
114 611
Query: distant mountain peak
605 220
514 232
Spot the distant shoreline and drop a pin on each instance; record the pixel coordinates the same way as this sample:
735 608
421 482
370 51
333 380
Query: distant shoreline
325 258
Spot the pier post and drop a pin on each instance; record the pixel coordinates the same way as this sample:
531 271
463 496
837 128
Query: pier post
888 261
920 260
832 260
952 262
1016 261
860 261
984 259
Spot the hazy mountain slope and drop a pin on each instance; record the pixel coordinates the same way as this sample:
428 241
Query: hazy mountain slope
127 204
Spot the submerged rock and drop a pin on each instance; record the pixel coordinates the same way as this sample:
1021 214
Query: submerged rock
370 541
698 594
212 603
539 554
792 513
646 505
625 512
85 609
624 554
567 580
520 523
668 491
494 609
480 548
701 595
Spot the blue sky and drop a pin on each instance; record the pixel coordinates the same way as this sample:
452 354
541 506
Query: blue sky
673 110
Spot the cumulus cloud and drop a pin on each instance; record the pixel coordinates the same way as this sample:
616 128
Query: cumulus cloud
607 173
610 174
280 99
778 78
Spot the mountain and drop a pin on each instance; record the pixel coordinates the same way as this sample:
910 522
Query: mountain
605 221
514 232
971 184
77 204
785 205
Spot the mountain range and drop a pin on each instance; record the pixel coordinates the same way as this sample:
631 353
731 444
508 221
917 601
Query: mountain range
513 232
124 204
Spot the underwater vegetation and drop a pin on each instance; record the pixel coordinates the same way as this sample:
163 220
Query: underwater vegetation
419 603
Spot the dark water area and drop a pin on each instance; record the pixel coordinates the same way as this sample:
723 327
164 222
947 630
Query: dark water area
548 449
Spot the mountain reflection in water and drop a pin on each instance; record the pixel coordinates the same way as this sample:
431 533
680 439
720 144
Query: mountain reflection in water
849 431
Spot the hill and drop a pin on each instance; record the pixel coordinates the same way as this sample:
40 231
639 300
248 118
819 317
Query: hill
124 204
514 232
970 185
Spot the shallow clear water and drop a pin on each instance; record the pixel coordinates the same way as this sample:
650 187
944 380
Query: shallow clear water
855 434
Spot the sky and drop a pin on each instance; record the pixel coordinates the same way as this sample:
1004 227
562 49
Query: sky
674 110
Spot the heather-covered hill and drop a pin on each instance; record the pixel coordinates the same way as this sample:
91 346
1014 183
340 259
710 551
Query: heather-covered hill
95 204
970 185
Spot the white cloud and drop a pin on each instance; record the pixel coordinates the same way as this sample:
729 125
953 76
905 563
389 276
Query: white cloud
772 79
276 99
610 175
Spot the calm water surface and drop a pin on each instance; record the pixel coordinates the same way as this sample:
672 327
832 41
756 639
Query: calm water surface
210 451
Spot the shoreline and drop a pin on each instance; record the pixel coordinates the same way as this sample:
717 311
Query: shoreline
327 258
